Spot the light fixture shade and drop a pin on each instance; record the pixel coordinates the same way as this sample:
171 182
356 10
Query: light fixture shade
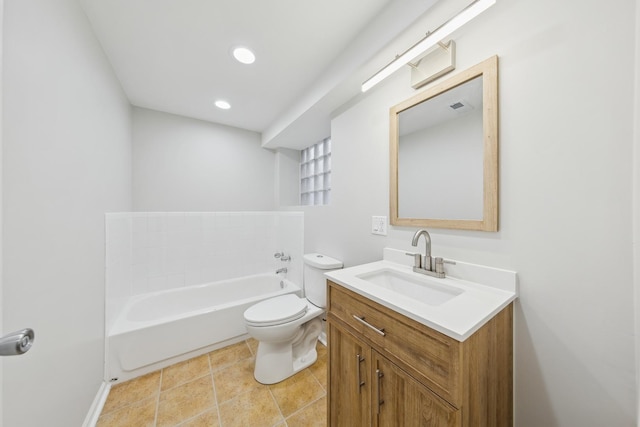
244 55
223 105
444 30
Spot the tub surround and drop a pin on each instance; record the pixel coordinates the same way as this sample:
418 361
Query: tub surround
148 252
482 293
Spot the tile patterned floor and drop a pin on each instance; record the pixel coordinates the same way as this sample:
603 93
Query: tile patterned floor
218 390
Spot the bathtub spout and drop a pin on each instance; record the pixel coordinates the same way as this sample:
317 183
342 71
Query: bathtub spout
281 270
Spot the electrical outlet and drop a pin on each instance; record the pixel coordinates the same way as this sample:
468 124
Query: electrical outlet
379 225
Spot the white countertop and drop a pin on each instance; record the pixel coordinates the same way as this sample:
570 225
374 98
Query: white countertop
458 317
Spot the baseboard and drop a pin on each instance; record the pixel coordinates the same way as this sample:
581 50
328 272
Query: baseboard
96 407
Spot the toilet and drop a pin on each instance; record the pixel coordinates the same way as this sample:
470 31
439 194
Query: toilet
287 327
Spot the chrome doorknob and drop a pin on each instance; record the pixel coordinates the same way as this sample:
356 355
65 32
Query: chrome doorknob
15 343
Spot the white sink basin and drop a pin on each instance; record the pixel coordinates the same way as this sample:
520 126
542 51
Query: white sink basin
412 285
457 305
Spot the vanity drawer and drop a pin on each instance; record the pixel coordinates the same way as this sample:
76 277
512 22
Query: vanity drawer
434 358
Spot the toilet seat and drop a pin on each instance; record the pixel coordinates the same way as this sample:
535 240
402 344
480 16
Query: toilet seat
276 311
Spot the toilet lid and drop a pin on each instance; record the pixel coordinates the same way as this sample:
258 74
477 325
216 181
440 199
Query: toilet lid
275 311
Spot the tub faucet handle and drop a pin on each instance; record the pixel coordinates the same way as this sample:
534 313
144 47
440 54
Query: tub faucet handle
282 256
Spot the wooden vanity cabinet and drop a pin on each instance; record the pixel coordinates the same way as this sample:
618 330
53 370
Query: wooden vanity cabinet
388 370
349 379
400 400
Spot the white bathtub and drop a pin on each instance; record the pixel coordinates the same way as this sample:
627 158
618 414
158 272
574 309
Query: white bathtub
156 330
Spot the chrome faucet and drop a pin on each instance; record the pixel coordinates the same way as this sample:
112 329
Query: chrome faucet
425 264
281 270
282 256
425 261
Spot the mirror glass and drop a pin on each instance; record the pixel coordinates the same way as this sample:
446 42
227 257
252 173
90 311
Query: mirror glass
444 154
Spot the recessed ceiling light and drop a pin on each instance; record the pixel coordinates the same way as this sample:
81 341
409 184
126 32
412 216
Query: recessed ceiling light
244 55
224 105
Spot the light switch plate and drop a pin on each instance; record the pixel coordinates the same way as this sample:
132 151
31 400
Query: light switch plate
379 225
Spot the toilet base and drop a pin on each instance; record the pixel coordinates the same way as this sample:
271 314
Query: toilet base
278 361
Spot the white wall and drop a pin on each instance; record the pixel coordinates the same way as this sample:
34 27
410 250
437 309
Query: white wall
67 160
287 177
182 164
566 131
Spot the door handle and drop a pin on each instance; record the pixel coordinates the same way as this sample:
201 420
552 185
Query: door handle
359 359
365 323
15 343
380 400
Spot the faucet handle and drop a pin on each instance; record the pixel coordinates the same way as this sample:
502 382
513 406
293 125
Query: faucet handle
439 265
282 256
417 259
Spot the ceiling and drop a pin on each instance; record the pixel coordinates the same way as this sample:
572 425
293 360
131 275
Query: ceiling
175 56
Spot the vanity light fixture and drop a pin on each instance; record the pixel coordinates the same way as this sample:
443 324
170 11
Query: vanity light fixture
223 105
244 55
431 39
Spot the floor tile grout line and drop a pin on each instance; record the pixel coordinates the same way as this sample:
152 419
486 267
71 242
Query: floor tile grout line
317 379
229 365
155 417
210 374
215 392
251 389
277 406
125 405
297 411
190 380
214 397
250 349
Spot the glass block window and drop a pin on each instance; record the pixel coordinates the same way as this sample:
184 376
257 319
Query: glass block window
315 174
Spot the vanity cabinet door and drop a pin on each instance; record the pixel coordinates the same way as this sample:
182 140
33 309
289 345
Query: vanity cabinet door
433 357
400 400
349 381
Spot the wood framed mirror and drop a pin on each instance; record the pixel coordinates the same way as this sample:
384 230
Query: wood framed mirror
444 153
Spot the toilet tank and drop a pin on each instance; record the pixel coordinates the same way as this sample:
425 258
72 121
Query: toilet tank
315 284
